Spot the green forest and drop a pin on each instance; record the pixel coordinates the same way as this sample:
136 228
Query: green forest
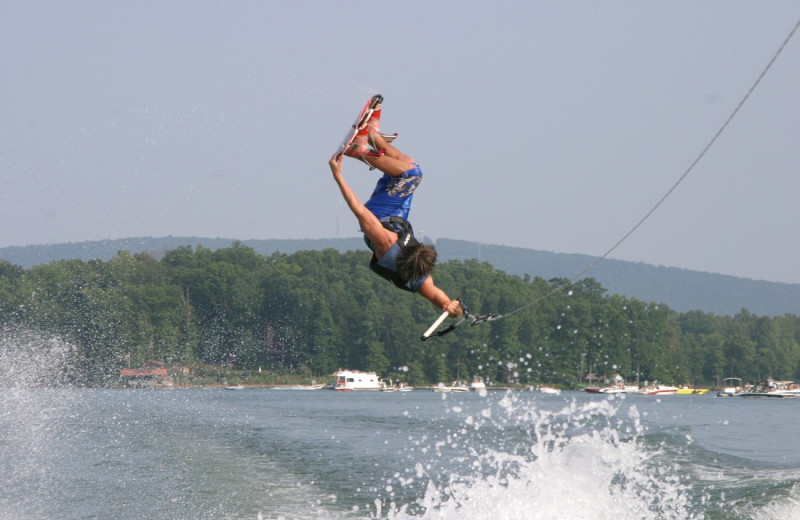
311 312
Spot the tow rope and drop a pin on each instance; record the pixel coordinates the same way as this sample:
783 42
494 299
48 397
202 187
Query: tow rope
491 317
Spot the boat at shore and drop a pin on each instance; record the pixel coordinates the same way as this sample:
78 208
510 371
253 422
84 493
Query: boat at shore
658 389
624 389
477 384
732 387
773 389
617 387
547 389
455 386
353 380
687 390
777 394
312 386
388 386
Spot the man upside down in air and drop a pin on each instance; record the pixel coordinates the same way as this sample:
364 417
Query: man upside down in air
397 255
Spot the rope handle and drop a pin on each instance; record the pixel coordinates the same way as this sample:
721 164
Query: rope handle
475 320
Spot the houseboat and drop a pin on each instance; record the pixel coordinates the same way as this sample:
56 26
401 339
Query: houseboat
349 380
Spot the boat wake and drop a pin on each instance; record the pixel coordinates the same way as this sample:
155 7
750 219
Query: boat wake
515 455
586 460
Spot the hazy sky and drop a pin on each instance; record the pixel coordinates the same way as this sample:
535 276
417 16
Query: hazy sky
552 125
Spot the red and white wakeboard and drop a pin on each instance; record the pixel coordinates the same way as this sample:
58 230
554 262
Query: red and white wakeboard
357 143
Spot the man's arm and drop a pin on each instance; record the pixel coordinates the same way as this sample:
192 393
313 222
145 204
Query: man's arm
439 298
381 238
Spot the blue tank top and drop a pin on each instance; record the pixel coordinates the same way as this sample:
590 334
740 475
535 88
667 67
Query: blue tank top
392 195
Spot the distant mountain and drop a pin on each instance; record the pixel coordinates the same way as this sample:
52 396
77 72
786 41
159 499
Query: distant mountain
681 289
27 256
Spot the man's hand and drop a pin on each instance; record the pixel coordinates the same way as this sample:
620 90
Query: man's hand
336 164
454 308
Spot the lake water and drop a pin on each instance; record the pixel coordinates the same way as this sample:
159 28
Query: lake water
293 454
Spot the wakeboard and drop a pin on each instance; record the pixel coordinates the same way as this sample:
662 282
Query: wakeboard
356 142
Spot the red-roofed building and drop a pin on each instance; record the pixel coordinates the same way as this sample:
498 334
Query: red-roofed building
150 375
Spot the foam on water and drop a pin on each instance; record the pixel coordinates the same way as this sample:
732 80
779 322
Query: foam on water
784 507
583 461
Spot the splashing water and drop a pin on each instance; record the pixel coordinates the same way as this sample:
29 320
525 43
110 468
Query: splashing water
785 507
32 359
583 461
206 454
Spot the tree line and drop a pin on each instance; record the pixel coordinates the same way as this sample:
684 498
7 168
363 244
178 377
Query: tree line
312 312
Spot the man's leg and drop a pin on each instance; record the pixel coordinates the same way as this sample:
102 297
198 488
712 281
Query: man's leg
392 162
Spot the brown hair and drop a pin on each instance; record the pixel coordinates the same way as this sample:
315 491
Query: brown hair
416 261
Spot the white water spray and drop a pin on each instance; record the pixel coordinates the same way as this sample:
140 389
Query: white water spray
583 461
32 360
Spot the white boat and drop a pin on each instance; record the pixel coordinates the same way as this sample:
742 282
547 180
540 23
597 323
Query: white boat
350 380
312 386
455 386
545 389
788 387
772 389
659 389
731 387
388 386
775 394
477 384
618 387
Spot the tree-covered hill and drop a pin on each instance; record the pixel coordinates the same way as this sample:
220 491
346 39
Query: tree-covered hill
681 289
311 312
